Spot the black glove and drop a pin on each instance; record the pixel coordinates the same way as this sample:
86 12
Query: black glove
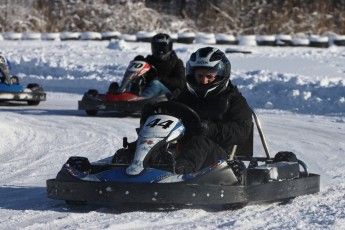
205 127
135 87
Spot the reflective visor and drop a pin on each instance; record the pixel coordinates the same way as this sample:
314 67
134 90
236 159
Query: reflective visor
160 48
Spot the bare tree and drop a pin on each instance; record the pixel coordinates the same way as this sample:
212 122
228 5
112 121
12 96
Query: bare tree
225 16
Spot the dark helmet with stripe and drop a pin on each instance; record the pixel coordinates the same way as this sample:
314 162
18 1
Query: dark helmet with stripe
161 45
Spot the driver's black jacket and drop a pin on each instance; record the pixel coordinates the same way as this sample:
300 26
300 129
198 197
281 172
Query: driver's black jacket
171 72
229 120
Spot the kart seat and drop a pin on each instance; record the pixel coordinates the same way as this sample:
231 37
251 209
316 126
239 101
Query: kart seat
246 150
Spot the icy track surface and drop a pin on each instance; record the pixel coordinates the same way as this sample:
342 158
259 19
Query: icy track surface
36 141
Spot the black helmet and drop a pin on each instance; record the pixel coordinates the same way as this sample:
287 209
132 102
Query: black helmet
208 58
161 45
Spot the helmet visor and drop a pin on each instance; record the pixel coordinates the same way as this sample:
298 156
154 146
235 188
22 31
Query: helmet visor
214 73
160 48
205 76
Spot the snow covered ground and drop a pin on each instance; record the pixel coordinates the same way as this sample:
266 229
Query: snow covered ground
298 93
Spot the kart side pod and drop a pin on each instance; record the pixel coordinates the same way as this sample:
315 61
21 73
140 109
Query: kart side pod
272 172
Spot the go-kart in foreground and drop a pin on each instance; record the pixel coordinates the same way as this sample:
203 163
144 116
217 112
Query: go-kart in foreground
150 177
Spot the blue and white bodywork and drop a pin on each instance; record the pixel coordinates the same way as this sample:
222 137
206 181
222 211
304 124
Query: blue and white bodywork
33 94
158 130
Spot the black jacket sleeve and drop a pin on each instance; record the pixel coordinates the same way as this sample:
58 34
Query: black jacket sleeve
237 124
171 72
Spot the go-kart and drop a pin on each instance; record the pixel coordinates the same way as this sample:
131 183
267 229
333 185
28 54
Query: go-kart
122 98
150 176
33 93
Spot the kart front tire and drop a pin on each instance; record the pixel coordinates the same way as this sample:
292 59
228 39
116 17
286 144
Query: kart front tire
33 102
91 112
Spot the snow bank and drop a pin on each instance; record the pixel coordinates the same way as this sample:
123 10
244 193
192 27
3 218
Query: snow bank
294 79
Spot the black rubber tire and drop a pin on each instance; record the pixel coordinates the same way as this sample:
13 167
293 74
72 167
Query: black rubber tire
91 112
113 88
33 102
285 156
93 92
32 85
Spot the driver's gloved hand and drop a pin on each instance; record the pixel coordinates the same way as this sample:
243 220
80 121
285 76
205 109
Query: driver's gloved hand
151 74
205 127
135 87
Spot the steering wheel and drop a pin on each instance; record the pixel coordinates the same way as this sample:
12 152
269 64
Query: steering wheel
176 109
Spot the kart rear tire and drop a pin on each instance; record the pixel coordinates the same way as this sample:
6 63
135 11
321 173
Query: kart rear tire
285 156
91 112
33 102
113 88
34 86
93 92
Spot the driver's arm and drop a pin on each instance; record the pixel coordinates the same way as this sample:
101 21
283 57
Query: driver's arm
237 125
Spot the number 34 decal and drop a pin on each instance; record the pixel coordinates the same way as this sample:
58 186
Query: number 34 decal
157 122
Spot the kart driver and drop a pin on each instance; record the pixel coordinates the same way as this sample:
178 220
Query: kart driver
226 118
170 76
5 67
225 114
